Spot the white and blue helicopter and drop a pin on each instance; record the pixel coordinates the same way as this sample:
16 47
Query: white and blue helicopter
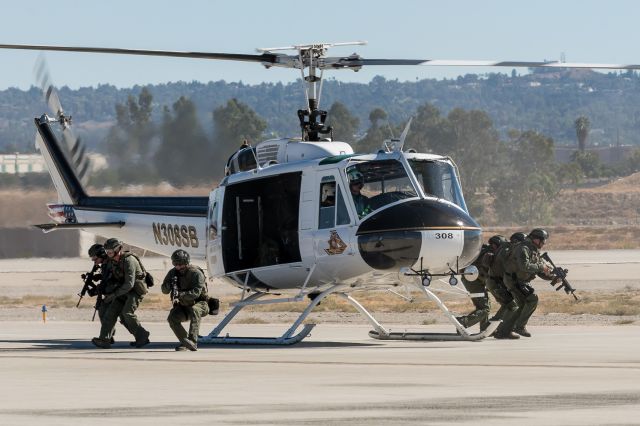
295 218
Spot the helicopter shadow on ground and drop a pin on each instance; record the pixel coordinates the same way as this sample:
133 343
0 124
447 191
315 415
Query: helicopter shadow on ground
31 345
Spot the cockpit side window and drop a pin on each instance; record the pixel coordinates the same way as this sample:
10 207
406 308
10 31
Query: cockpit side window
332 209
327 210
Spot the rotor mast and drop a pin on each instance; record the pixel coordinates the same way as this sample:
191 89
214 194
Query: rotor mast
311 56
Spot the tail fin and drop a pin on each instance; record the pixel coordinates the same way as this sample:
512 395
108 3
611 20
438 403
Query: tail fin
63 174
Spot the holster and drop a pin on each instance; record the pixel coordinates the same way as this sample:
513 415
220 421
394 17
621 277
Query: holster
526 288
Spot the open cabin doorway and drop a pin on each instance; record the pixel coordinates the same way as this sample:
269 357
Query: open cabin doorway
260 222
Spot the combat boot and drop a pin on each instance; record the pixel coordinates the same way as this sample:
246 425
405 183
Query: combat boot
189 344
142 338
101 343
501 336
181 347
523 332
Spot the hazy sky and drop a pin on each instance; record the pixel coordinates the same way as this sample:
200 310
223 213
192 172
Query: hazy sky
586 31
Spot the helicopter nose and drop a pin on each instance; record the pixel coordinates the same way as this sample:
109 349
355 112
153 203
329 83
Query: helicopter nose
424 234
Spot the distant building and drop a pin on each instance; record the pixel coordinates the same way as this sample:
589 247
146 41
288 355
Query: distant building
34 163
22 163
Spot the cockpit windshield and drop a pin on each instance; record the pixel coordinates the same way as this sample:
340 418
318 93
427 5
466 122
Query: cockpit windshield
438 179
374 184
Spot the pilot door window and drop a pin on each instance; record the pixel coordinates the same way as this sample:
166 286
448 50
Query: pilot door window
332 209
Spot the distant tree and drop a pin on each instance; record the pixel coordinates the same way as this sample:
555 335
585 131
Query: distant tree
379 130
130 142
469 138
582 126
589 164
185 155
524 193
377 116
345 125
233 123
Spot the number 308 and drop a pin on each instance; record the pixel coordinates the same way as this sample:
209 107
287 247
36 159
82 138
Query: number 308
444 235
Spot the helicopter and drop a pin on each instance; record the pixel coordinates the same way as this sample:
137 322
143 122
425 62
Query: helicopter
297 218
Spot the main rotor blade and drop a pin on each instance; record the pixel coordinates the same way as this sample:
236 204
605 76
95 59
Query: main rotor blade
471 63
265 57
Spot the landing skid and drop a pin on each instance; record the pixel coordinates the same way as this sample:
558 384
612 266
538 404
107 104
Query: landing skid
288 338
379 332
436 336
463 333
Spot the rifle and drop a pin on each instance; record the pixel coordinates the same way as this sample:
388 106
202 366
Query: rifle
174 290
99 300
106 275
88 286
560 275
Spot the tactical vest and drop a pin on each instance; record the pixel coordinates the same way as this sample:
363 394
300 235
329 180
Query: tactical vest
185 282
524 249
118 273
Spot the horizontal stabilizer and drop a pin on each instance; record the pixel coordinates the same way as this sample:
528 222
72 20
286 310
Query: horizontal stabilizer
48 227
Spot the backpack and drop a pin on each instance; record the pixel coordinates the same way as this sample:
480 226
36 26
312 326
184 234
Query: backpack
212 302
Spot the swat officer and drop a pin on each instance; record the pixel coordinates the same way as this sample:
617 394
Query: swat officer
100 259
477 289
495 284
126 288
522 266
186 284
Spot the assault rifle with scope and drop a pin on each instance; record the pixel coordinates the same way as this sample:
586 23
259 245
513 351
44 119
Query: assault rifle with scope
560 275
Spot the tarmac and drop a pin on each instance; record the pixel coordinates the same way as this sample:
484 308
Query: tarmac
563 375
52 375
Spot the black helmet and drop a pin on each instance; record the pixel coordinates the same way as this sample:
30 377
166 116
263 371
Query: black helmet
497 240
112 244
517 237
97 250
180 257
539 234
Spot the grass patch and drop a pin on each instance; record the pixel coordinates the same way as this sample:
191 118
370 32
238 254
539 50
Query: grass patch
251 320
619 303
624 322
429 321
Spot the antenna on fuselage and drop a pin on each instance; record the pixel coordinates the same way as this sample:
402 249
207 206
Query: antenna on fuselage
395 145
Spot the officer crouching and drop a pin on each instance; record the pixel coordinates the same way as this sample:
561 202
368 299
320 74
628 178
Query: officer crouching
186 284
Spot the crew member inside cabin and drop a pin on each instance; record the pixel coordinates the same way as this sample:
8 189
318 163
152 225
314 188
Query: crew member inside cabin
356 182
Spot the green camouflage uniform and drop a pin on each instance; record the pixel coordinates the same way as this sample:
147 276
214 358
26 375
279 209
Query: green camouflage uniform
495 284
126 289
192 301
522 266
478 295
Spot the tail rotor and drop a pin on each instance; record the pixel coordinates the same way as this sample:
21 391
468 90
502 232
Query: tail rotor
75 149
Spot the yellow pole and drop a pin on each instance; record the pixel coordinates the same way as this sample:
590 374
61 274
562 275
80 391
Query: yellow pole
44 313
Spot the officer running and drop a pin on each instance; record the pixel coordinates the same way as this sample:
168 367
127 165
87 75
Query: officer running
186 284
129 288
495 284
477 289
99 258
522 266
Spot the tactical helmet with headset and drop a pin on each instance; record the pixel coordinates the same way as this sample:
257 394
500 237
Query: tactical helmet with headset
180 257
539 234
97 250
112 244
497 240
517 237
